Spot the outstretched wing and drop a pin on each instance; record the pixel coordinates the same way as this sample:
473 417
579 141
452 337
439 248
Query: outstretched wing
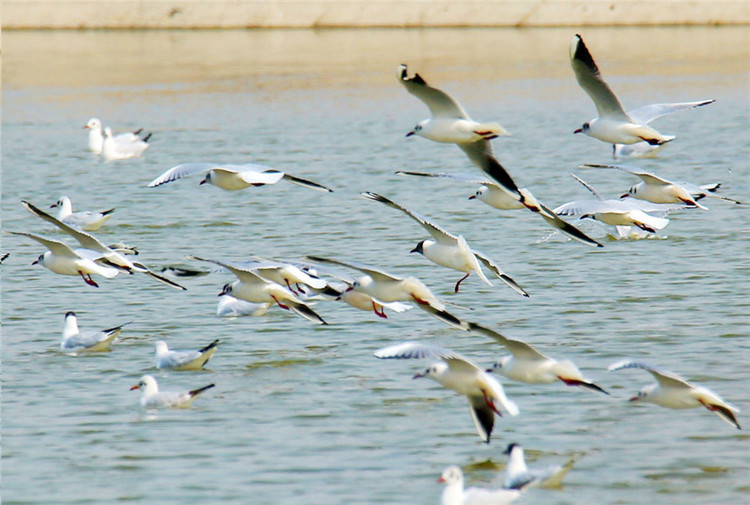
481 154
665 379
183 170
440 235
517 348
439 102
648 113
588 77
376 274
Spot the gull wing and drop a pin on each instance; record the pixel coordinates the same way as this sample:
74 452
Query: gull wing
243 274
587 186
648 113
306 183
665 379
459 177
568 229
481 154
483 416
588 77
253 177
440 235
498 271
184 170
145 270
377 275
58 248
415 350
439 102
86 240
517 348
646 176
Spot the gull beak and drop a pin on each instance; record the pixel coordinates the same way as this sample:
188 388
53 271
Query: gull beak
135 387
350 288
417 376
441 479
410 133
625 195
579 130
85 126
35 262
204 181
472 197
490 370
635 398
53 205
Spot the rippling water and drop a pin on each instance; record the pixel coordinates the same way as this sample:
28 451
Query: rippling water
305 414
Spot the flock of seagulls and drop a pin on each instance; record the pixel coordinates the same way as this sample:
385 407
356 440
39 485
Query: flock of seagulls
262 284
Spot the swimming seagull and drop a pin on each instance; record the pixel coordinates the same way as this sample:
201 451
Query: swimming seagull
74 341
183 360
527 364
88 221
252 287
614 125
450 124
151 397
660 190
96 135
384 287
114 149
449 250
455 372
233 177
455 493
674 392
61 259
519 476
497 196
103 254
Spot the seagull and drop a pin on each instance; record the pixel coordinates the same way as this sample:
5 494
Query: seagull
63 260
614 125
497 196
519 476
644 115
110 257
455 372
183 360
660 190
450 124
233 177
384 287
93 341
526 364
88 221
653 189
252 287
286 274
644 215
96 135
230 306
152 398
113 149
449 250
455 493
674 392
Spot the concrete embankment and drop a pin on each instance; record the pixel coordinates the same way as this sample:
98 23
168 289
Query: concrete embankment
124 14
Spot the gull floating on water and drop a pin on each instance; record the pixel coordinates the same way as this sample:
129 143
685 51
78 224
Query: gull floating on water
450 124
455 493
449 250
526 364
74 341
674 392
96 136
183 360
384 287
252 287
614 125
455 372
151 397
87 220
519 476
233 177
497 196
102 253
114 149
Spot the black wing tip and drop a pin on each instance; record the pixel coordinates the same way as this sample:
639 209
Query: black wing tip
198 391
107 212
210 346
583 55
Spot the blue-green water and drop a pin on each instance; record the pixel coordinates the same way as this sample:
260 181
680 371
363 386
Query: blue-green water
305 414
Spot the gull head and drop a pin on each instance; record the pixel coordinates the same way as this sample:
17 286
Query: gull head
497 366
452 475
434 372
510 448
419 248
583 129
479 194
644 394
417 129
206 179
161 347
39 260
147 383
94 124
227 289
631 192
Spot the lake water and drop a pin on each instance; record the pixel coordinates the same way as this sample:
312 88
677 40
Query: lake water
305 414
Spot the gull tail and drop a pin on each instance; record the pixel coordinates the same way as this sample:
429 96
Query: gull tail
196 392
307 184
210 346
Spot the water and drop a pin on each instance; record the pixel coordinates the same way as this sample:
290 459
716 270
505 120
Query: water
305 414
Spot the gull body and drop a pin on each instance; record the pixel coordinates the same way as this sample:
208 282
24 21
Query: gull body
519 476
251 287
114 149
63 260
527 364
448 250
498 196
614 125
103 254
230 306
233 177
644 215
73 340
88 220
455 493
484 393
151 397
183 360
96 135
674 392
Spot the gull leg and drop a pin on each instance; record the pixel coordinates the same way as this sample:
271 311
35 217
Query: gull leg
285 307
290 287
460 281
491 404
382 310
88 280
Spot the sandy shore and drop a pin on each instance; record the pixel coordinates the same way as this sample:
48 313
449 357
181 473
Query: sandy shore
73 14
